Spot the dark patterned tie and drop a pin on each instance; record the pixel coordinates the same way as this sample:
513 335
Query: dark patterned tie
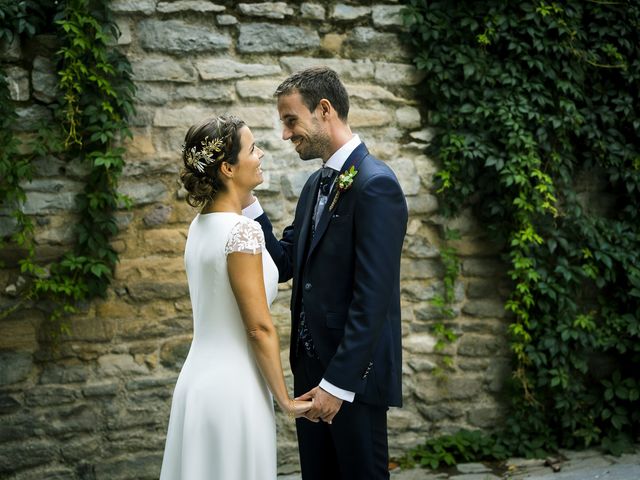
327 176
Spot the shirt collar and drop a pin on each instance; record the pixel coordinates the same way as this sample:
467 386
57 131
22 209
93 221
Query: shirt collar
336 161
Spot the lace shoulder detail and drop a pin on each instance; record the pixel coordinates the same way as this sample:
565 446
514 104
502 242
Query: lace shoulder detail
245 237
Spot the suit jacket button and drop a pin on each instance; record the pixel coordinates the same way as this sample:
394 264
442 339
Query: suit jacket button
307 286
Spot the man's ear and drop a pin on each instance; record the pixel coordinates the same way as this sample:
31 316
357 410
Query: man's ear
325 108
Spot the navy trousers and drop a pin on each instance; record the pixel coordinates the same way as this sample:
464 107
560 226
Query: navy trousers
353 447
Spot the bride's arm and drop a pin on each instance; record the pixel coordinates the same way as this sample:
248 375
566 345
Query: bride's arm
245 276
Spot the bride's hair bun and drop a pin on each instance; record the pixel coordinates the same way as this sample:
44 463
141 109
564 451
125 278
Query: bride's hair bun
206 147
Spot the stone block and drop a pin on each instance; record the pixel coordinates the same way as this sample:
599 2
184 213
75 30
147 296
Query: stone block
145 291
452 388
101 389
119 364
158 215
139 465
420 268
162 69
343 11
146 7
10 51
180 117
18 82
147 383
164 240
124 31
227 69
178 37
9 403
408 117
425 135
44 79
312 11
372 92
199 6
277 10
30 117
174 352
332 43
22 455
51 194
153 93
209 92
420 344
15 366
428 313
227 20
405 170
148 268
292 182
479 345
143 192
417 246
485 308
346 69
366 42
387 15
64 373
259 117
257 89
20 333
50 396
139 145
267 38
361 118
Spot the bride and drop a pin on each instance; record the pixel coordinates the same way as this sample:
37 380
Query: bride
222 423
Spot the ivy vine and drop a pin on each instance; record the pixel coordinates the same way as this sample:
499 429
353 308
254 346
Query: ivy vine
97 99
535 106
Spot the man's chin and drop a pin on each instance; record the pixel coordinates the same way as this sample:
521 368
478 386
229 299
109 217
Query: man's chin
307 156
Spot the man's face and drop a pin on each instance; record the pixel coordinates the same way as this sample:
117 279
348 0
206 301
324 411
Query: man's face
303 128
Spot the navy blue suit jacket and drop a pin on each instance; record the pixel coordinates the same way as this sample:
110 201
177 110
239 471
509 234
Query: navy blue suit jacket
348 277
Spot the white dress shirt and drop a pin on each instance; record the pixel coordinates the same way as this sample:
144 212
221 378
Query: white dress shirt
253 211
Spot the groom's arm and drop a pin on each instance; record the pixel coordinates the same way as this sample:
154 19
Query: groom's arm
381 221
281 251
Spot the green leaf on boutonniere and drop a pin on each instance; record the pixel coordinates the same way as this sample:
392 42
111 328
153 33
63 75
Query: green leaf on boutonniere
345 180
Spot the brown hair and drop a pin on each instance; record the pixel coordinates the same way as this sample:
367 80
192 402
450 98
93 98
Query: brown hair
203 183
314 84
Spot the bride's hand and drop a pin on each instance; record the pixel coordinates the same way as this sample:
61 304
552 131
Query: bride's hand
297 408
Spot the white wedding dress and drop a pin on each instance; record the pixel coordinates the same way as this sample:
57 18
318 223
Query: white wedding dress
222 424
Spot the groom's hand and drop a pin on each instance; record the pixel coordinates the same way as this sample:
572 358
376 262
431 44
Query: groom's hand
325 406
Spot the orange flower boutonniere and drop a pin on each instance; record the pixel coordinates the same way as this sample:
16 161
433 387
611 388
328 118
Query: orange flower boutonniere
344 182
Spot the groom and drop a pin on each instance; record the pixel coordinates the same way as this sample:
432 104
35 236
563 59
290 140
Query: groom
343 253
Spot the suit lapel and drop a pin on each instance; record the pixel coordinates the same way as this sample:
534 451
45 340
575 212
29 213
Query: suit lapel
354 160
305 227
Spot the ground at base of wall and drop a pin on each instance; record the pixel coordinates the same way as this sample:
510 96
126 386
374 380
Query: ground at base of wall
567 465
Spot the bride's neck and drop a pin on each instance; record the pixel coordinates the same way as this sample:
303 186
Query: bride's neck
224 201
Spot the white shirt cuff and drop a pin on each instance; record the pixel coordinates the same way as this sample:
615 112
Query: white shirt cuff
345 395
253 211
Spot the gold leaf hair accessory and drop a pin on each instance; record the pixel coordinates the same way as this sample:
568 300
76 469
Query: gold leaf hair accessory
210 153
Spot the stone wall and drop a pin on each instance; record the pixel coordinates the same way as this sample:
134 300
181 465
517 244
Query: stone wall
96 403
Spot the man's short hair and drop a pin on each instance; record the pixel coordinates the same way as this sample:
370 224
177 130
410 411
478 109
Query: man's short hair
314 84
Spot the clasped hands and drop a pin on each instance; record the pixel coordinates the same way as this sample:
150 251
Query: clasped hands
324 406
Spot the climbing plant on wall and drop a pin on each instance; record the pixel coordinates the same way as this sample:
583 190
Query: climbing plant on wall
535 106
96 94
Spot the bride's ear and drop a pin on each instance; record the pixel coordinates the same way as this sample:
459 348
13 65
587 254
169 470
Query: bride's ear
226 171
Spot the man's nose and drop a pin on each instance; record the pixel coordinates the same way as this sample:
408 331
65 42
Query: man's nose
286 133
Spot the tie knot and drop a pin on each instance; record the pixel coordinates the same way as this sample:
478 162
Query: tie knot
325 180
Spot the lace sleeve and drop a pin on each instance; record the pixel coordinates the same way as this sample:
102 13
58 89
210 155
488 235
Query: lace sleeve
245 237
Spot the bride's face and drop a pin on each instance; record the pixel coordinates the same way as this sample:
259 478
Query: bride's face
247 172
